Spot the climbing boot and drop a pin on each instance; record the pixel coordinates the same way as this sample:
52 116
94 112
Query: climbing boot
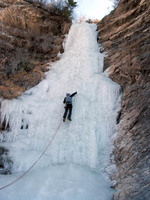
64 119
69 119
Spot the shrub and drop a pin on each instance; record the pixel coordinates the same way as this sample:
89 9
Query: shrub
25 66
68 8
40 2
62 8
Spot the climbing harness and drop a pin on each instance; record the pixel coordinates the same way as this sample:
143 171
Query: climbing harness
17 179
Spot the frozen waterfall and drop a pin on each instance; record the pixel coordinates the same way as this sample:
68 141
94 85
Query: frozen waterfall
74 166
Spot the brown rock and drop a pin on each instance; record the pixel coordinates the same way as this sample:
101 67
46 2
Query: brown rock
124 34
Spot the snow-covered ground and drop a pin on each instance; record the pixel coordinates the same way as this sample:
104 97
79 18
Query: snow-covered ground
73 167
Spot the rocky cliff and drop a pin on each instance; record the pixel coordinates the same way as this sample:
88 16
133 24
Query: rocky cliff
125 37
30 37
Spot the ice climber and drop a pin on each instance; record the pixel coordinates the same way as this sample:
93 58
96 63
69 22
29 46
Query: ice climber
68 102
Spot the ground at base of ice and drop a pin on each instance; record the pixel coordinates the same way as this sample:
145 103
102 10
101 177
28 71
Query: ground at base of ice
64 182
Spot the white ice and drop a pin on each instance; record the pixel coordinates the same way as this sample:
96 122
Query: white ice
74 166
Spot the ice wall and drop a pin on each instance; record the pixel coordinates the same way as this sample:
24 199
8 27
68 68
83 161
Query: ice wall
81 147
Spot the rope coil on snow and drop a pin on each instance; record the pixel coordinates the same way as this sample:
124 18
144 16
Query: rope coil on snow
17 179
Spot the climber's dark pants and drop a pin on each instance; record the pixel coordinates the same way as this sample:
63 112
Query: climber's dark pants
68 107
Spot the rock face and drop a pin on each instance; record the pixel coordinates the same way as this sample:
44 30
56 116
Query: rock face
125 36
30 37
5 162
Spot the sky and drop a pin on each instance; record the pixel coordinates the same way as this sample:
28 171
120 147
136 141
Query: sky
93 9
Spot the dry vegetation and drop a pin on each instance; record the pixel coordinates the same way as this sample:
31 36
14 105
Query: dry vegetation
11 16
31 35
